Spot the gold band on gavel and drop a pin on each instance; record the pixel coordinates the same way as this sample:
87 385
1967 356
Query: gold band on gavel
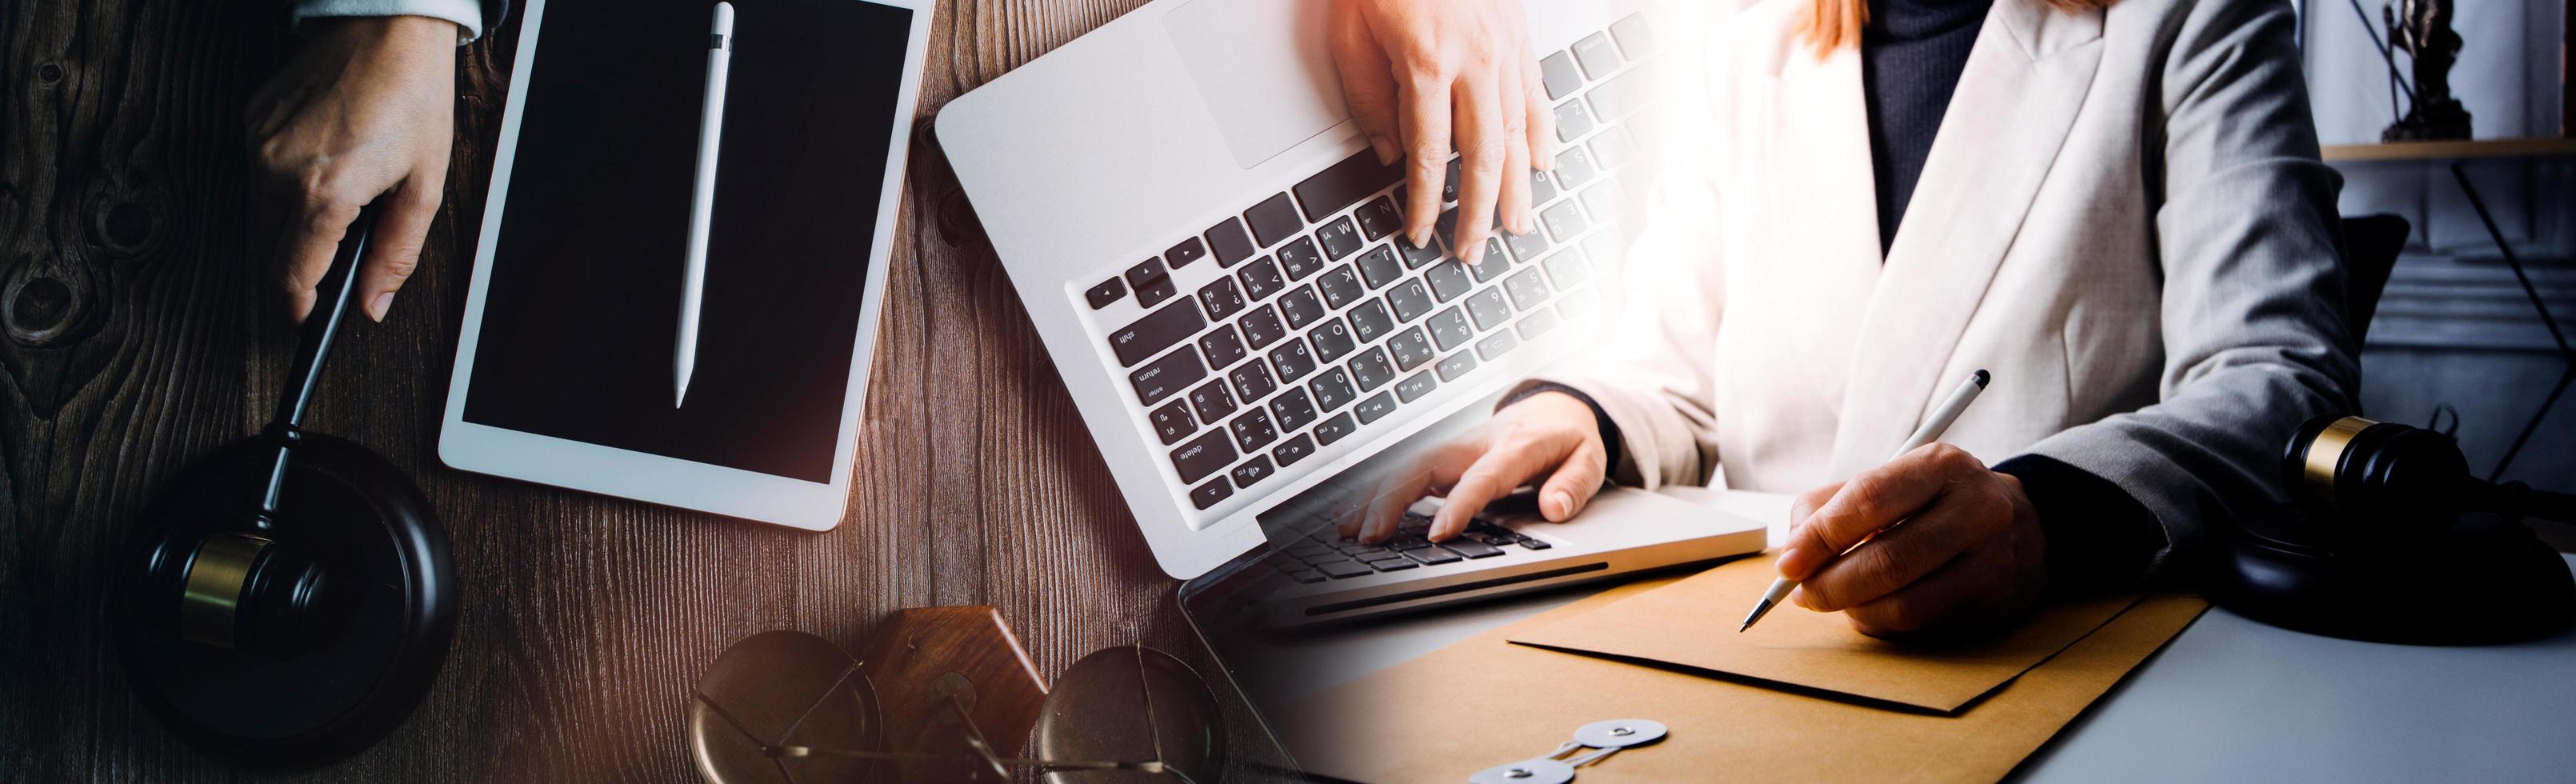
216 578
2326 452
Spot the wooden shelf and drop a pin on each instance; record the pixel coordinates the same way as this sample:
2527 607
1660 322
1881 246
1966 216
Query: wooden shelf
2451 150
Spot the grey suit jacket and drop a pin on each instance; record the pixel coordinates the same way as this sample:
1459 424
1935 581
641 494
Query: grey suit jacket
2169 346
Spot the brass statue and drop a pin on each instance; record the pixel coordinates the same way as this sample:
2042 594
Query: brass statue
2422 29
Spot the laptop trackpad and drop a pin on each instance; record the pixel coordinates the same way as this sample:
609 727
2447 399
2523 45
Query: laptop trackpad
1262 69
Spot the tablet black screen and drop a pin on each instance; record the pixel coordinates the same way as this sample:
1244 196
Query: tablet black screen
582 303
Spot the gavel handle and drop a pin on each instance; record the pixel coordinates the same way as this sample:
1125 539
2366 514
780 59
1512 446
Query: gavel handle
330 308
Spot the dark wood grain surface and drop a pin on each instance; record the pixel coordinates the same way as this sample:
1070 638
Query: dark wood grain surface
141 333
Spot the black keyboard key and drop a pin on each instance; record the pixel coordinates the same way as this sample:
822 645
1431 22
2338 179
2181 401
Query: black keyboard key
1304 575
1222 348
1431 556
1374 408
1379 267
1537 324
1449 186
1300 258
1333 390
1391 563
1534 544
1216 491
1165 377
1370 321
1212 401
1292 450
1488 309
1378 218
1465 547
1336 428
1292 360
1221 299
1156 331
1446 227
1229 242
1557 71
1410 301
1252 471
1573 120
1619 97
1563 221
1261 327
1528 290
1146 270
1253 431
1301 307
1173 422
1155 291
1494 263
1449 281
1596 56
1527 247
1573 168
1414 387
1371 370
1449 329
1635 36
1295 411
1456 365
1345 183
1495 345
1566 268
1346 568
1340 239
1274 219
1260 280
1252 382
1342 287
1332 341
1416 257
1542 188
1410 348
1107 292
1188 251
1202 456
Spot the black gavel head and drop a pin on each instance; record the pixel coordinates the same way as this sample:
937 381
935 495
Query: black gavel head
2386 481
230 588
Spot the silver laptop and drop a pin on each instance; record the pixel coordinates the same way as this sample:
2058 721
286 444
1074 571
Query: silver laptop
1213 259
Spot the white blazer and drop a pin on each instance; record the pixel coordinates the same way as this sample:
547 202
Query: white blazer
2171 353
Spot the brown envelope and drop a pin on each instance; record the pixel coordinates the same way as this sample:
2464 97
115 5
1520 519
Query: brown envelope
1692 623
1484 702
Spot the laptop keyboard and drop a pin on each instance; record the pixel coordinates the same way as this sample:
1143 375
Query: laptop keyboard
1321 321
1325 555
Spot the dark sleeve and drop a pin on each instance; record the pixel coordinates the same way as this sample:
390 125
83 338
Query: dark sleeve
1600 419
2099 538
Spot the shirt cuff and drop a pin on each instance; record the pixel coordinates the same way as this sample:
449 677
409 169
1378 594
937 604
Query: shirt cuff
2099 537
467 14
1600 418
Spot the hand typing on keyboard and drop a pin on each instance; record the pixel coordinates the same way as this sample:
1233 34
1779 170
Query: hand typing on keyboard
1425 77
1548 437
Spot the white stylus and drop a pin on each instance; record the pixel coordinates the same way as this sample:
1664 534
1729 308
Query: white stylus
702 203
1930 431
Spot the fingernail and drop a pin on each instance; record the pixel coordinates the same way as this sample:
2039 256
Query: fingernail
1421 238
1564 503
1385 149
377 308
1793 563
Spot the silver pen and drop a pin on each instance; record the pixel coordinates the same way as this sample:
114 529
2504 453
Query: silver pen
702 203
1930 431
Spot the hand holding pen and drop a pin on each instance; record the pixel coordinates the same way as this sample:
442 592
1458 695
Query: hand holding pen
1948 543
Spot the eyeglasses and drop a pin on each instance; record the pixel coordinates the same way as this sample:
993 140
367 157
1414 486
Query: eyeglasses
790 707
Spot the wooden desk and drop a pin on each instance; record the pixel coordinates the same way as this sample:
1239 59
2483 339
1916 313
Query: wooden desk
142 331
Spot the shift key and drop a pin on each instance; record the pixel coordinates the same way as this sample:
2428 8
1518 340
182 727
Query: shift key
1158 330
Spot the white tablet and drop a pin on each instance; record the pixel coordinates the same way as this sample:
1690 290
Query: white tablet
565 368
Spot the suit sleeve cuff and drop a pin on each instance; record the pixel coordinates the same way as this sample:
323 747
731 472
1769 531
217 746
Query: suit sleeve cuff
467 14
2099 537
1600 418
